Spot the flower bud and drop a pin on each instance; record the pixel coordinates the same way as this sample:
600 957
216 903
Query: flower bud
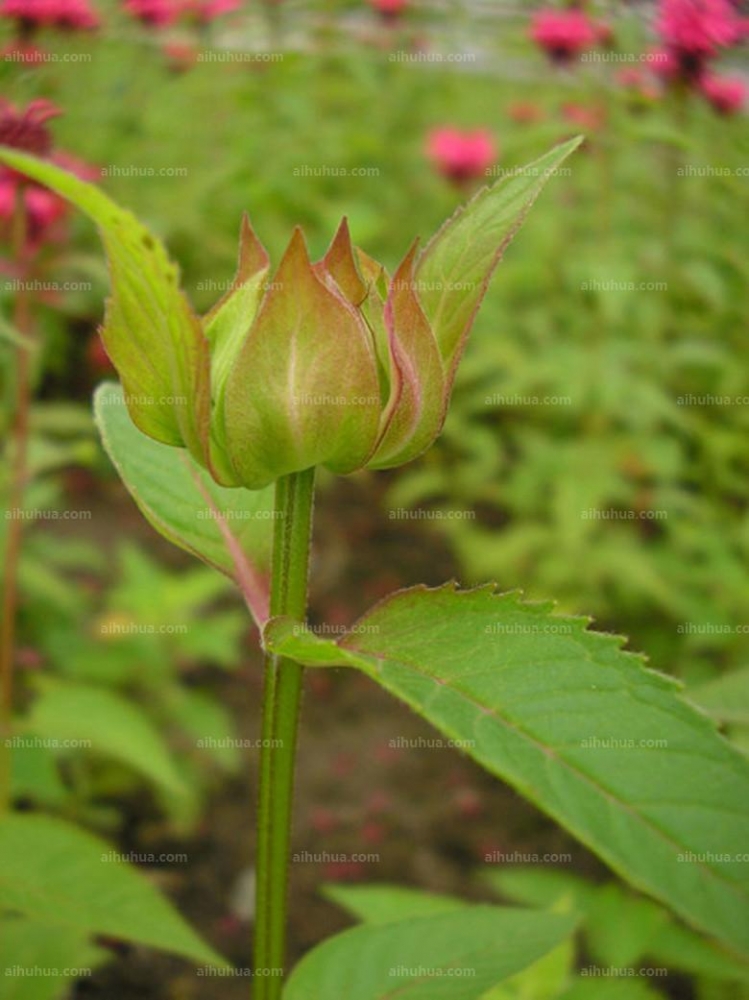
332 364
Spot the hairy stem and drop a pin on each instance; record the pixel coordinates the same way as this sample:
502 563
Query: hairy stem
281 704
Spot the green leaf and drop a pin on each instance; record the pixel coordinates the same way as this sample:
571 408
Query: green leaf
105 723
598 988
230 529
454 271
448 955
384 904
55 873
726 698
560 713
34 776
209 723
27 946
544 980
151 333
633 930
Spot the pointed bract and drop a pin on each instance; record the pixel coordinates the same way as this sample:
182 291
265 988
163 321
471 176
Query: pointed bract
227 325
339 264
416 409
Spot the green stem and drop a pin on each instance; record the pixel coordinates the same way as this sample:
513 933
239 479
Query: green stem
17 489
281 703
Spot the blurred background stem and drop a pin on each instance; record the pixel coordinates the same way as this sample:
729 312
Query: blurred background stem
16 489
281 704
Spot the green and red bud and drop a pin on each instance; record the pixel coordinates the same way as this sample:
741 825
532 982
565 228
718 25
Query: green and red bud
333 363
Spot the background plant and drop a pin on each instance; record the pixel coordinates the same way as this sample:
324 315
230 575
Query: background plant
622 357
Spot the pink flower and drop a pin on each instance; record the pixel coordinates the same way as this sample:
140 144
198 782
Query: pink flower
157 13
27 130
695 30
563 34
461 155
725 93
389 9
73 14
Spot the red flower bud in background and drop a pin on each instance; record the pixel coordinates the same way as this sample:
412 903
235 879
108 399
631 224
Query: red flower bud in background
589 118
23 52
27 130
389 10
525 112
460 155
564 34
180 56
638 84
726 94
205 11
155 13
